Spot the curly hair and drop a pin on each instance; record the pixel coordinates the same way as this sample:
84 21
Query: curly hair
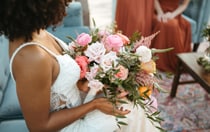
20 18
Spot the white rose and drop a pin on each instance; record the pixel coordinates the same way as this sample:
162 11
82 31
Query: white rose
71 46
207 58
107 60
144 53
95 85
95 51
93 72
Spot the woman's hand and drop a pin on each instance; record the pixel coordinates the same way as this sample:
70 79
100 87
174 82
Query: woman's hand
107 107
160 17
103 104
82 85
165 17
169 16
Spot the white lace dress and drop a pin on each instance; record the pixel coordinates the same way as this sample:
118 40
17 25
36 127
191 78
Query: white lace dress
65 89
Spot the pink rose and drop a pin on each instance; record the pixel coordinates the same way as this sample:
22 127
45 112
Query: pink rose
124 38
113 42
82 61
103 33
123 72
83 39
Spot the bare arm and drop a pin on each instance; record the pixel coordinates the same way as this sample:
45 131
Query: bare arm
158 8
165 16
33 73
181 8
159 11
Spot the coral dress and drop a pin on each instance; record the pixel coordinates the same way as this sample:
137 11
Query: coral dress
175 33
65 89
134 15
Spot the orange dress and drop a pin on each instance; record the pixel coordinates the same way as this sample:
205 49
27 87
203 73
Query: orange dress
175 33
134 15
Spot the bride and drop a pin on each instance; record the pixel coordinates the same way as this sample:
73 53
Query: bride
47 82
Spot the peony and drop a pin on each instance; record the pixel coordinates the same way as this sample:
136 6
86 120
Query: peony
95 51
108 60
144 53
82 61
83 39
103 33
123 72
124 38
113 42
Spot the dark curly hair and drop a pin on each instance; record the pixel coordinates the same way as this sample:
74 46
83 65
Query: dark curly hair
20 18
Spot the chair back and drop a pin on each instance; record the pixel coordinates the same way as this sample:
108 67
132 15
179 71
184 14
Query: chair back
198 12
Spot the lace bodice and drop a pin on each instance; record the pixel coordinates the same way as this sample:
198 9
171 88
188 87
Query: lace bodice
64 88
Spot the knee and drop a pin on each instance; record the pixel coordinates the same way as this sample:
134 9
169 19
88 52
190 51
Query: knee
171 24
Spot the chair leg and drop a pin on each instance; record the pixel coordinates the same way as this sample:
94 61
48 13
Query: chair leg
176 80
195 46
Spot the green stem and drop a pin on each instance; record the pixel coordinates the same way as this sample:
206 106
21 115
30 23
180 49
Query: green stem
161 50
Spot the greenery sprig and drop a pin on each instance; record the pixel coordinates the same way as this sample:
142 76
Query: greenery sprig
204 61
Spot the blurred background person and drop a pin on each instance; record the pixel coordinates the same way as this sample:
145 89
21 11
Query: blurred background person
175 32
134 16
85 12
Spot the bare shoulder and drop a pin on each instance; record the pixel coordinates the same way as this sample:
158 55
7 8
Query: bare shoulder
32 70
31 61
31 53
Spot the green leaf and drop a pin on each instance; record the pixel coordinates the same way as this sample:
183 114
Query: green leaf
122 123
135 37
161 50
121 116
169 74
122 101
155 113
94 23
72 39
161 129
159 88
159 119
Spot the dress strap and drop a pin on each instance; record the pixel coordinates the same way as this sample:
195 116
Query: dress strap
60 42
24 45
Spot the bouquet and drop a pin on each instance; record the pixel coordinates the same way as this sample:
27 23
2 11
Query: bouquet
118 65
